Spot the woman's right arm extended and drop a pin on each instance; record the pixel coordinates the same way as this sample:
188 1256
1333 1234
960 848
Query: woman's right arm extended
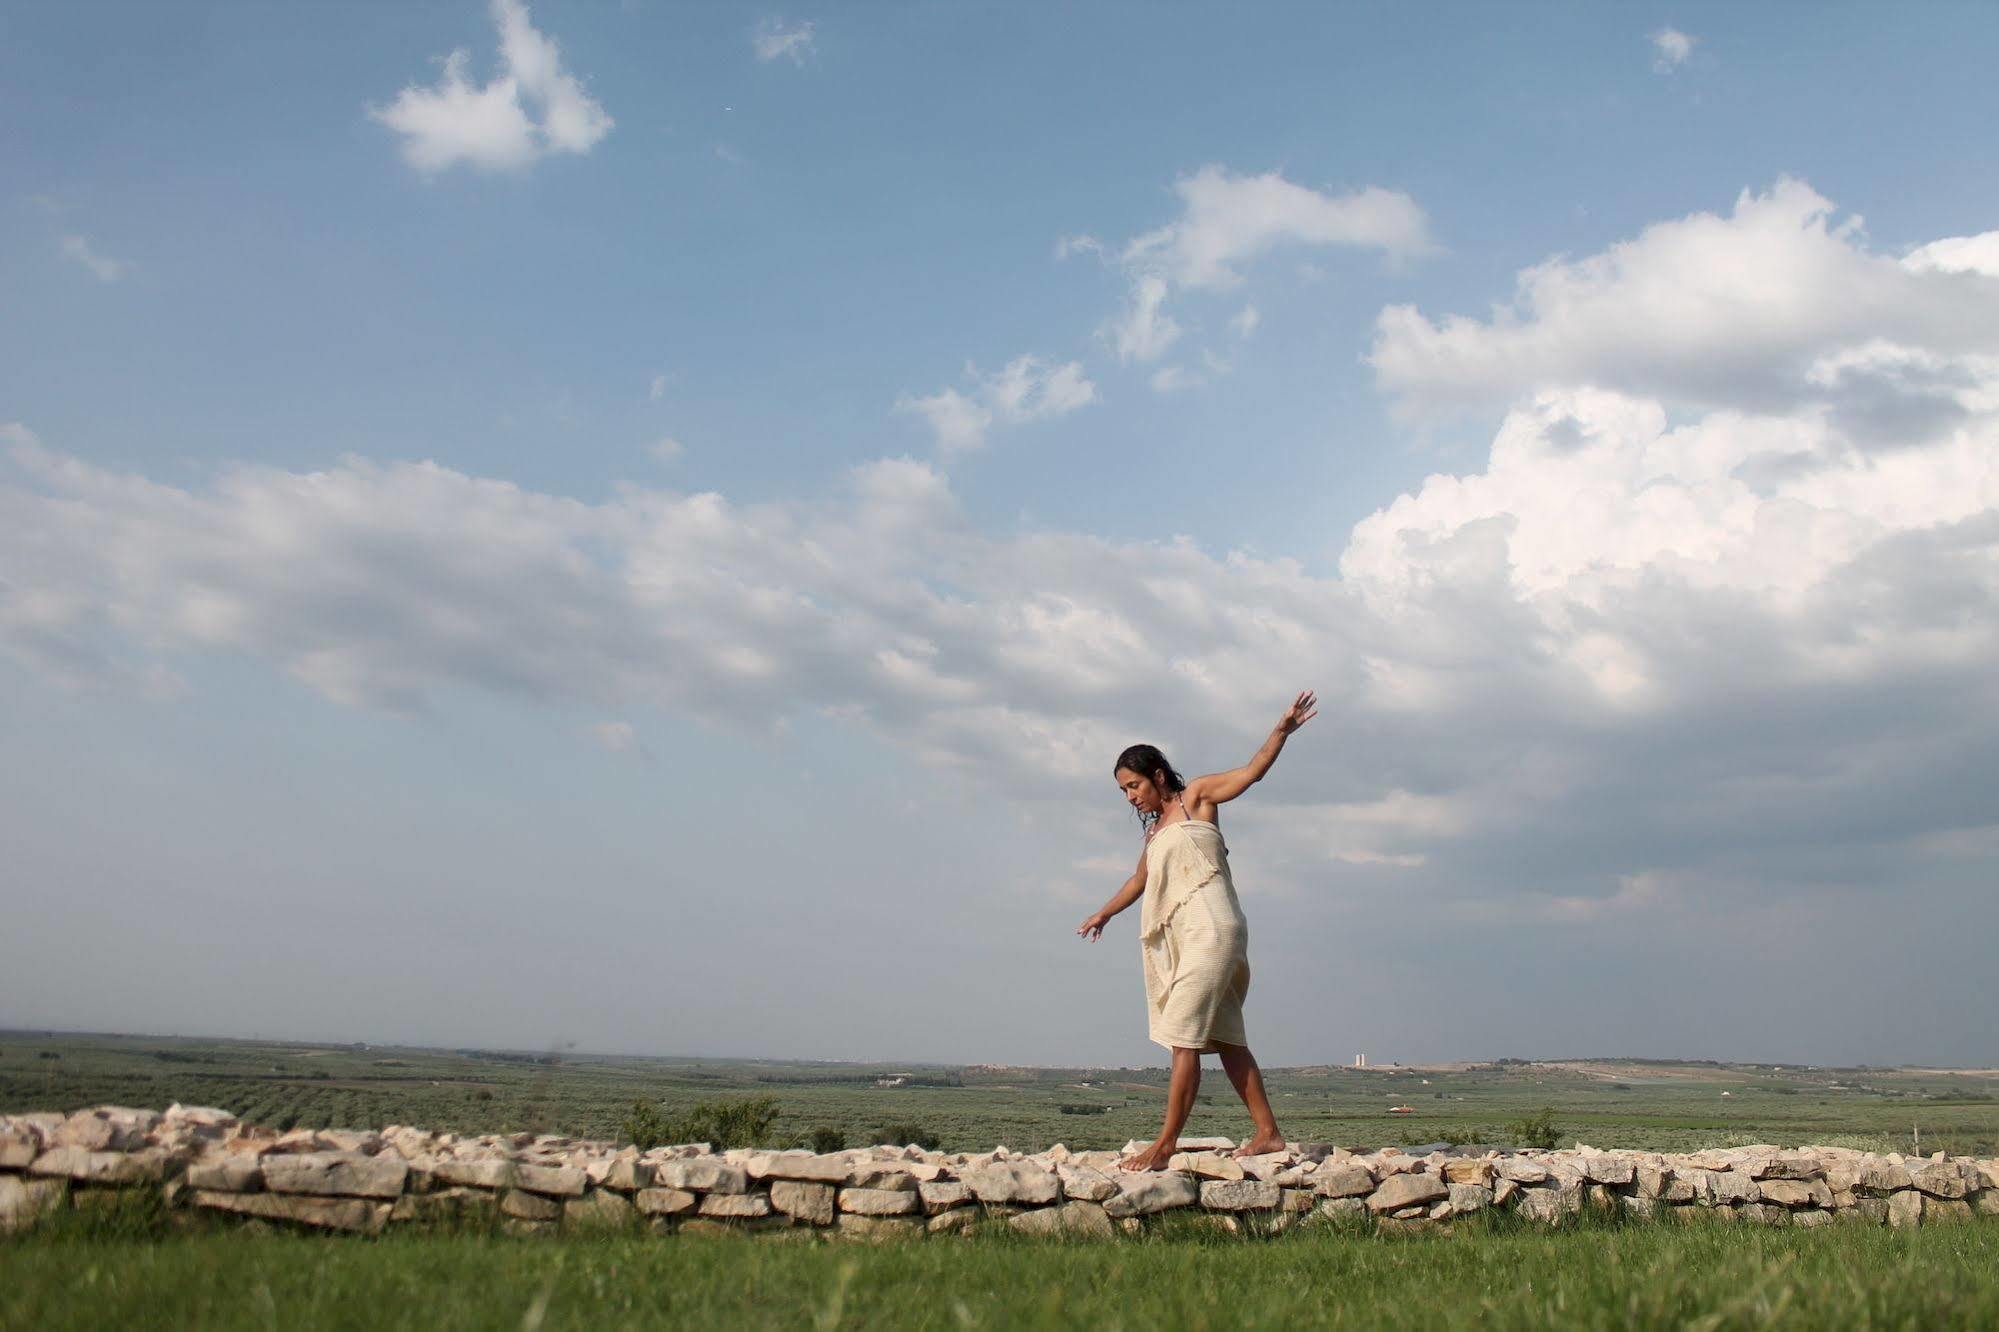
1134 888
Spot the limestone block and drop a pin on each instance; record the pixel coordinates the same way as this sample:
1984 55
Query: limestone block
1543 1205
1791 1165
1787 1191
735 1206
1945 1209
1767 1214
702 1175
1871 1210
1266 1167
325 1213
803 1201
1519 1170
1467 1198
879 1202
1639 1205
1143 1192
1466 1170
1879 1176
1985 1202
227 1172
943 1195
19 1146
1988 1174
884 1175
1342 1211
1299 1176
1726 1186
665 1202
1082 1219
476 1173
1905 1208
1399 1191
1843 1177
830 1168
1606 1169
1085 1183
1240 1195
1939 1179
140 1167
952 1221
1207 1165
599 1209
106 1128
1013 1182
555 1181
1811 1216
338 1174
450 1204
25 1201
526 1206
856 1226
1348 1179
626 1175
1503 1192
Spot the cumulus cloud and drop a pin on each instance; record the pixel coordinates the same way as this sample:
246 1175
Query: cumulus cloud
1028 389
1754 311
776 40
667 449
1670 49
531 108
1646 657
1245 321
102 267
1226 222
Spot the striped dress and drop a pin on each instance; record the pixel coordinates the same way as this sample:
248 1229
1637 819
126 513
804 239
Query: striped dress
1193 939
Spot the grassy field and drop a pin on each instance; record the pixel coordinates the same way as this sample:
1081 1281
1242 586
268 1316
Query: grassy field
1607 1103
1695 1274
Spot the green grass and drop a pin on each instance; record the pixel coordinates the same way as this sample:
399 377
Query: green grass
1687 1275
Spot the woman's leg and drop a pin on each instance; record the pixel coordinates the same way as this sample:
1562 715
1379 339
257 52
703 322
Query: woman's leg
1247 1078
1180 1092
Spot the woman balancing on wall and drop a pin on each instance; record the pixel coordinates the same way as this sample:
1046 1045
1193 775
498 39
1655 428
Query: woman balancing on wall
1194 941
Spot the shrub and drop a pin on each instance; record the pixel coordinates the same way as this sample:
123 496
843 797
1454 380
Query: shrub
825 1138
745 1122
1536 1130
904 1135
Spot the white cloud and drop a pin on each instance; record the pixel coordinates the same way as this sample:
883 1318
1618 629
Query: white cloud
1704 311
1643 648
532 108
1670 49
102 267
1171 379
667 449
656 387
1028 389
1245 321
1066 246
1144 332
774 40
1228 221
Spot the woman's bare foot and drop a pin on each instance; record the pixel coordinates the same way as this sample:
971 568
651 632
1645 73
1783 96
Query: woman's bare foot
1154 1157
1262 1145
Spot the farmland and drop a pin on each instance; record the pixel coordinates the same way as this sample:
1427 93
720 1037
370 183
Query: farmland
1660 1105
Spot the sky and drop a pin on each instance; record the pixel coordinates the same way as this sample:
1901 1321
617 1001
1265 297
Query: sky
644 527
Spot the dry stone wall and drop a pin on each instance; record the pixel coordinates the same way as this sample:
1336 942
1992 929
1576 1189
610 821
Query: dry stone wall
200 1160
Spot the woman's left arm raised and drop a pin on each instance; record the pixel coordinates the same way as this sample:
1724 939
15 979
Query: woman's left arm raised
1218 787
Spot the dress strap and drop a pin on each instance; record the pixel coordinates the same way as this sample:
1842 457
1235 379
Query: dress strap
1181 797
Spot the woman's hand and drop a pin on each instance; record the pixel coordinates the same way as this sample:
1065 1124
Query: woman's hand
1303 709
1093 925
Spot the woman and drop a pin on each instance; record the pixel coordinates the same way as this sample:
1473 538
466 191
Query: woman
1193 938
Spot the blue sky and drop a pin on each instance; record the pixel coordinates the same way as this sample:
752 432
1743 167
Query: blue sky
539 592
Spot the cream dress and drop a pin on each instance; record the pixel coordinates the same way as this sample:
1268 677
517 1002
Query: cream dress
1193 938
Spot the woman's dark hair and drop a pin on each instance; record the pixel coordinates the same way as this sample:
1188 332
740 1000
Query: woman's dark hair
1147 761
